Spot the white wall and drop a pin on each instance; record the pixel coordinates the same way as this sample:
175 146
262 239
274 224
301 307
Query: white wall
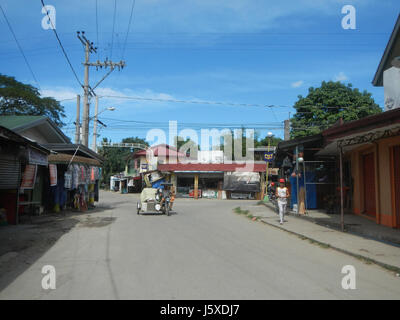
391 84
213 156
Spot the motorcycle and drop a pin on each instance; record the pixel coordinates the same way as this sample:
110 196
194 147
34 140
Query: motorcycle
161 202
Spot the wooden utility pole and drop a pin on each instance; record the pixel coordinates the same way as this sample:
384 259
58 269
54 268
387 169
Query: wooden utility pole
96 111
87 90
78 120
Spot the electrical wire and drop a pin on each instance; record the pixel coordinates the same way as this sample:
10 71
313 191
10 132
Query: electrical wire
62 47
19 47
97 32
112 35
129 27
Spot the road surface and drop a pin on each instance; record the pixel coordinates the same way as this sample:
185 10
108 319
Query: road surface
204 251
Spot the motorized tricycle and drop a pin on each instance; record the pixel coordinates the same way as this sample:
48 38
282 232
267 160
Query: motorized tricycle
158 200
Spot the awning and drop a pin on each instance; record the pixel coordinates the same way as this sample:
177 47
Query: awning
353 141
63 158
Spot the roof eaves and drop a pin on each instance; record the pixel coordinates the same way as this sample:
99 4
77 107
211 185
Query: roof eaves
378 78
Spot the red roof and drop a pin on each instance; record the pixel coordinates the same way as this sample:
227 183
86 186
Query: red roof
162 150
225 167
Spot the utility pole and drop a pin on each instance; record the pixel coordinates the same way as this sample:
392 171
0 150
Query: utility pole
96 111
87 90
78 121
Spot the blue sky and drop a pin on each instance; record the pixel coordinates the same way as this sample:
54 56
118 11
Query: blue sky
238 51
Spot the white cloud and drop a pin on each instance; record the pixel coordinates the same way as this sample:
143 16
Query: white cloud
341 77
297 84
59 93
109 94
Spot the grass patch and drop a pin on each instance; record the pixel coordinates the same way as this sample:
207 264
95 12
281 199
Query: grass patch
237 210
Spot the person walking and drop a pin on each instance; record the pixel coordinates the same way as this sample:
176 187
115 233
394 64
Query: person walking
282 194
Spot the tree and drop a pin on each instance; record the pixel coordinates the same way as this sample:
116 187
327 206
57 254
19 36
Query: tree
257 141
115 158
17 98
324 106
273 141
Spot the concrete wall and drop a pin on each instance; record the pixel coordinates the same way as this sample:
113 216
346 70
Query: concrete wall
391 84
384 196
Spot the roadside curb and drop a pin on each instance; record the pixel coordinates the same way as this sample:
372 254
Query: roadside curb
334 226
328 245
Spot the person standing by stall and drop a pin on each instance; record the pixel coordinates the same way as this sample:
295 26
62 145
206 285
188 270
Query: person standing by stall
282 194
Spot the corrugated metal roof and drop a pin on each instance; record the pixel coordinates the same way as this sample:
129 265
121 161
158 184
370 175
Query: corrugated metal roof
15 122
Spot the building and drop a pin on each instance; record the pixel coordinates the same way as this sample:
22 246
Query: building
216 180
313 177
388 72
206 176
20 159
371 165
72 175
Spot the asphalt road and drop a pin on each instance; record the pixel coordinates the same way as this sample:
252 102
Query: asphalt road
204 251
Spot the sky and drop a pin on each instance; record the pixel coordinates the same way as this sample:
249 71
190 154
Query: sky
240 56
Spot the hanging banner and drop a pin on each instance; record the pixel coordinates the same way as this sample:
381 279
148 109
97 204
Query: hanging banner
29 177
53 174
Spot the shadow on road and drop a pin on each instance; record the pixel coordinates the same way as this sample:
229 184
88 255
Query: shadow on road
22 245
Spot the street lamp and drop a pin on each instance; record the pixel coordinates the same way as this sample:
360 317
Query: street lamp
96 113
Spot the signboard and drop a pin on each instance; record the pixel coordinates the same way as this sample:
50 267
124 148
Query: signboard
36 157
268 156
53 174
29 177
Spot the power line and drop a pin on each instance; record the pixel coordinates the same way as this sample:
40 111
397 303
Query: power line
129 26
97 31
188 101
19 46
112 36
62 47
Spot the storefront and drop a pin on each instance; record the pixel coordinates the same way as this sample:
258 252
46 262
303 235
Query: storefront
370 177
21 165
209 184
216 181
73 182
311 177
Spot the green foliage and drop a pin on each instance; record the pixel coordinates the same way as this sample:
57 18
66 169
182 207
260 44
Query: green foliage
273 141
179 142
17 98
115 158
326 105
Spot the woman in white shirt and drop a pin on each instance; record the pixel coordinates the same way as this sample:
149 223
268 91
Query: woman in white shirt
282 194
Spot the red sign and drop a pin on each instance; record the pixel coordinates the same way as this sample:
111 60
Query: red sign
53 174
29 177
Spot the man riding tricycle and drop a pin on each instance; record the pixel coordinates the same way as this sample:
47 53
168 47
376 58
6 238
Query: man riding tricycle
156 200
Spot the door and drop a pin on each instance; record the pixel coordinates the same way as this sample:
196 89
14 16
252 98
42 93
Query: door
369 184
396 176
